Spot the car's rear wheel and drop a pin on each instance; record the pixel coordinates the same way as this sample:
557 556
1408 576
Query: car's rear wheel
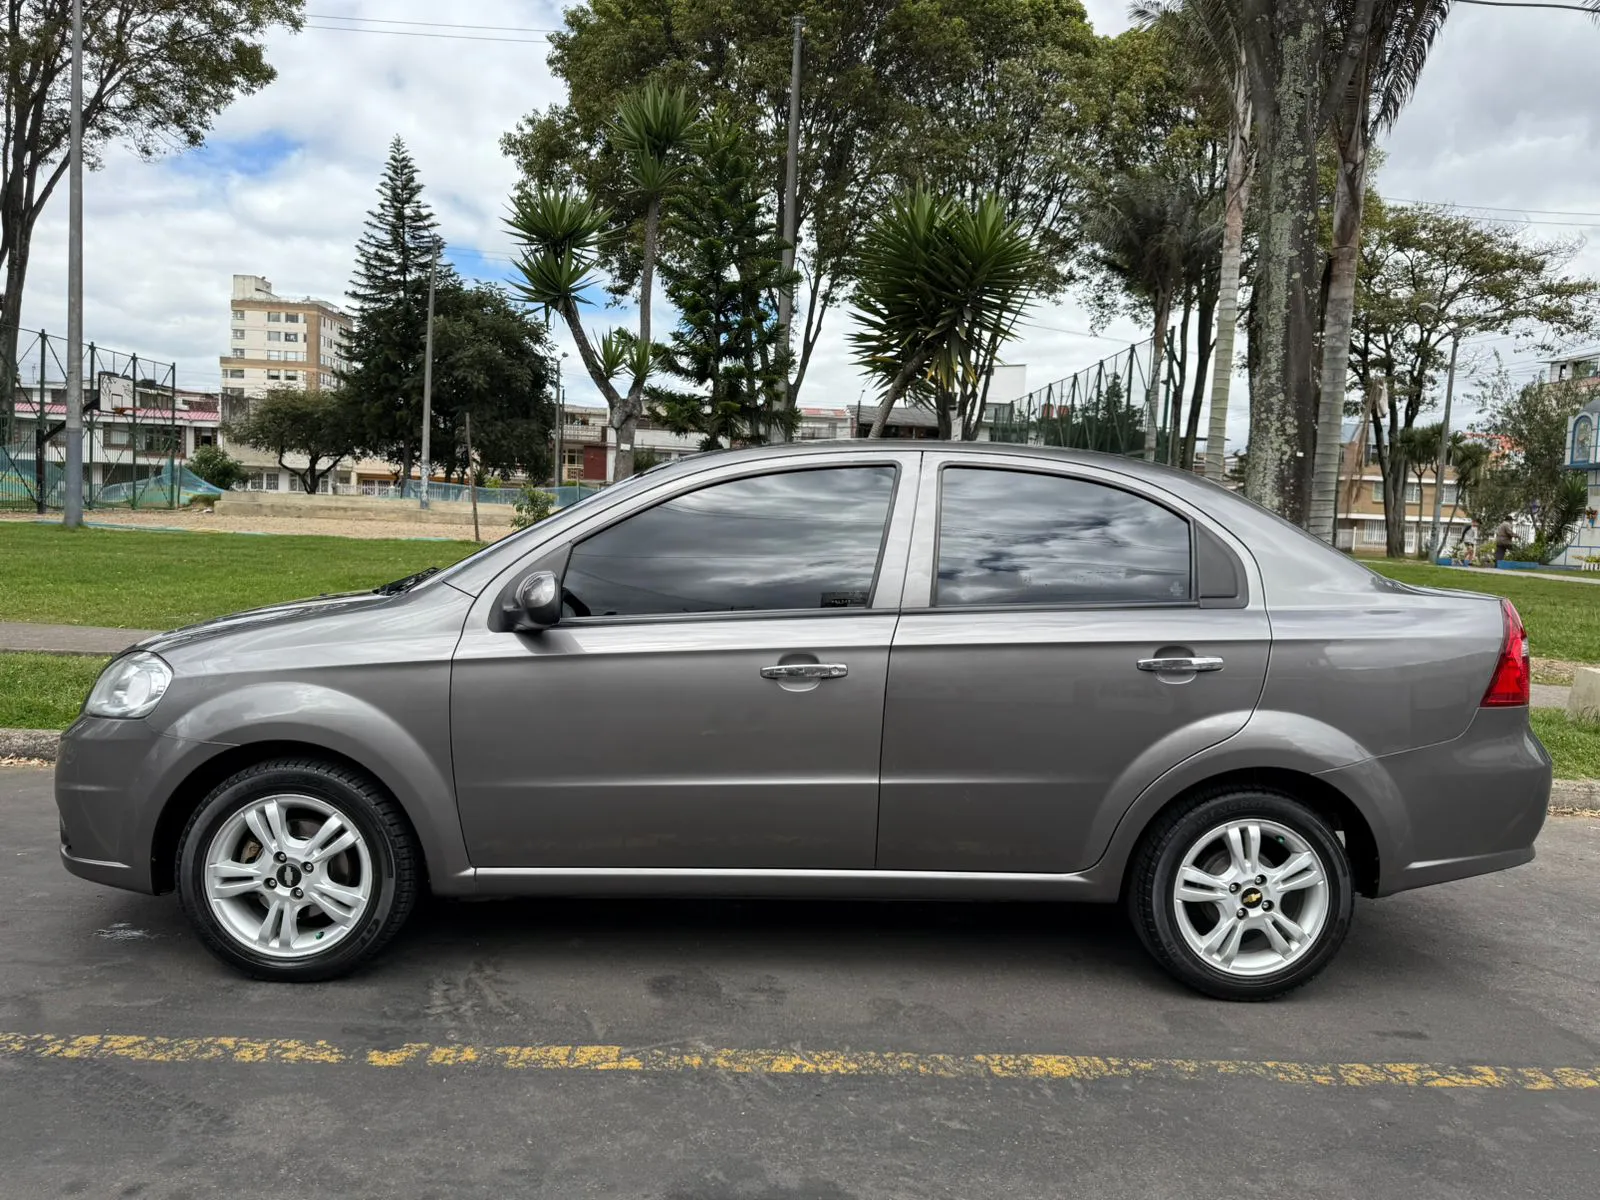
297 870
1243 895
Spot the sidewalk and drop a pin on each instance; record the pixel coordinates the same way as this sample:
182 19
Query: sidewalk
67 639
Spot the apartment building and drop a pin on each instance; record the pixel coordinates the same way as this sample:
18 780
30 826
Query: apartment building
274 341
1361 522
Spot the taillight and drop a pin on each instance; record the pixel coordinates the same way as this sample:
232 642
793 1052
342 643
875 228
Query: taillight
1513 677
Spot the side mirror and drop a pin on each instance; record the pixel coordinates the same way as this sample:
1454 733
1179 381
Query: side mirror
535 605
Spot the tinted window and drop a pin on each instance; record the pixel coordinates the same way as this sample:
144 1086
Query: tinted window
1009 537
800 539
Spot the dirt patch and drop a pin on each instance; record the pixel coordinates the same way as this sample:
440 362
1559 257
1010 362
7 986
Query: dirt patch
493 526
1555 670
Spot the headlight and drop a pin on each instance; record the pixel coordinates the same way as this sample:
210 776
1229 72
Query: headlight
130 687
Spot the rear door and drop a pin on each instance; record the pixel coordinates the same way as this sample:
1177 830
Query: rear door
1068 634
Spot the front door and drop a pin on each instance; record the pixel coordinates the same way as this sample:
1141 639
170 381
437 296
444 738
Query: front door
713 697
1065 655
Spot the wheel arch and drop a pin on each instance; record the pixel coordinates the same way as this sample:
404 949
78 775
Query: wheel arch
191 792
1317 794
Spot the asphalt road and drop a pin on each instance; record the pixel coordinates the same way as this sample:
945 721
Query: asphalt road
885 1020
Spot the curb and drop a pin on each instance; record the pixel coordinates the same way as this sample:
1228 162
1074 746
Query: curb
1566 795
29 743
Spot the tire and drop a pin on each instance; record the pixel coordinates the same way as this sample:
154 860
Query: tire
1202 941
297 870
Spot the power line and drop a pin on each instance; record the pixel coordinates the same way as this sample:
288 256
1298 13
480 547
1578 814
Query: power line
431 24
448 37
1583 8
1545 212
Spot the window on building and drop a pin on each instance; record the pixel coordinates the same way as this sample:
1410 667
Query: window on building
275 318
291 337
274 335
291 376
274 355
1411 539
1449 494
1377 493
324 381
235 372
292 318
236 392
1413 493
1583 440
1012 537
205 437
238 314
117 436
797 540
274 374
1373 534
238 352
238 335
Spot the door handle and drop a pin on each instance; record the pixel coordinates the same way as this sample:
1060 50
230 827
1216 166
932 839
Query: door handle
1179 665
806 671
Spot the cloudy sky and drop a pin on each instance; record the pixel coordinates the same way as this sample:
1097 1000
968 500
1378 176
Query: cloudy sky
1504 121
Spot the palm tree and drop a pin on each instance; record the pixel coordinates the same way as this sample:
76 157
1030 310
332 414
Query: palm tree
560 232
941 287
1388 63
1470 461
1146 235
1417 448
1207 32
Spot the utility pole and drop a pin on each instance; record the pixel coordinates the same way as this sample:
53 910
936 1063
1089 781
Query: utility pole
427 379
1434 542
72 501
791 197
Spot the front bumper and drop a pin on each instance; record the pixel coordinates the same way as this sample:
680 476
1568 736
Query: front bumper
113 778
1464 807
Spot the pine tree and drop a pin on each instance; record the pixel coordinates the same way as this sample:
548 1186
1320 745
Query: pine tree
722 273
390 289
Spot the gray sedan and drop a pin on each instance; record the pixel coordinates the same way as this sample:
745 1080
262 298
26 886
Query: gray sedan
866 669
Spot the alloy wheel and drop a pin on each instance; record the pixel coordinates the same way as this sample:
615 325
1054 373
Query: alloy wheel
289 876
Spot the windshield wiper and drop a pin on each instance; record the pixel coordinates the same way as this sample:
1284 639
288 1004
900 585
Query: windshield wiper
406 584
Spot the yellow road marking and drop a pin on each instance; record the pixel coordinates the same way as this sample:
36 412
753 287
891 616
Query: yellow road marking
1081 1068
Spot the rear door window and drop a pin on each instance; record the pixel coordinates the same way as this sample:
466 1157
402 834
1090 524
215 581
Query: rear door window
1018 537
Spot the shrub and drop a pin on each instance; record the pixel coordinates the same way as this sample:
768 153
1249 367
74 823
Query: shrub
533 506
216 466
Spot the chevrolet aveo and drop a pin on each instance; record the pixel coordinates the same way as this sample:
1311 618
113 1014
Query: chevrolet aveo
858 669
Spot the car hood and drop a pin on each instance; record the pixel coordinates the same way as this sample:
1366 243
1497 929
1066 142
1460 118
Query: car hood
256 619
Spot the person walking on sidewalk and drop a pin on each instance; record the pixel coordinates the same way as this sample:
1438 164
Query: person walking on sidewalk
1469 545
1504 537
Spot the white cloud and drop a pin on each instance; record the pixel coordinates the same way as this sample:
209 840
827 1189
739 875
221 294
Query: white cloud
1502 118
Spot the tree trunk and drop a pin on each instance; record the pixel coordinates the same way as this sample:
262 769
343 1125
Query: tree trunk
10 334
1284 45
896 388
1237 200
625 420
1158 362
1350 178
1208 304
1179 385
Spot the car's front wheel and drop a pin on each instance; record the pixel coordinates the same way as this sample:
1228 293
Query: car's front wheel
1243 895
297 870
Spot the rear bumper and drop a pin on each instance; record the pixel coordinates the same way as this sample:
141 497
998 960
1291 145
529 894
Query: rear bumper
1460 808
112 780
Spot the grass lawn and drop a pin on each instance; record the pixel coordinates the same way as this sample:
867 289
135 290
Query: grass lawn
1575 748
44 691
1563 618
137 579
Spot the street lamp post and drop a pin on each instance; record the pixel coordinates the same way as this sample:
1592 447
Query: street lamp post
427 380
1435 543
72 501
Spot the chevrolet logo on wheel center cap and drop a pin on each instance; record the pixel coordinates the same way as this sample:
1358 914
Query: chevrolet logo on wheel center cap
289 876
1251 897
